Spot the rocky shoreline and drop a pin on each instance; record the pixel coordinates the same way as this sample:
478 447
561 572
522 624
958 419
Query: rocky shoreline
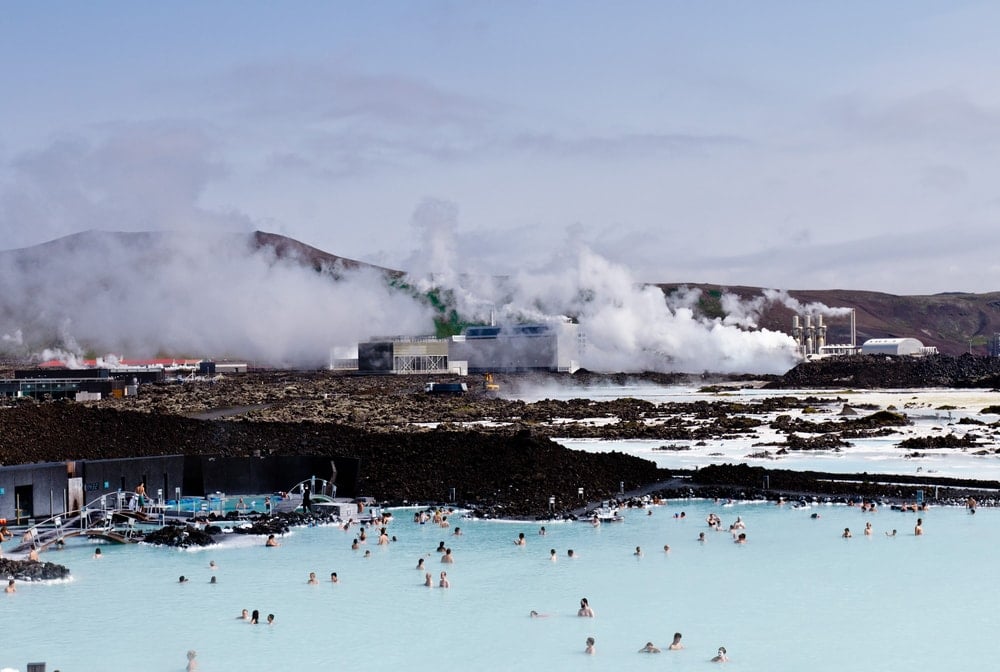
497 454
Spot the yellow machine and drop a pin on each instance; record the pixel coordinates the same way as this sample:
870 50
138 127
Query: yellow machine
488 384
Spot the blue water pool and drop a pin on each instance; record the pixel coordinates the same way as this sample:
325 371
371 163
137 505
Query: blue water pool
796 596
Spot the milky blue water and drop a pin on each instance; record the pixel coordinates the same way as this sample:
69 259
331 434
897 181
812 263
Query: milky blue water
797 596
932 412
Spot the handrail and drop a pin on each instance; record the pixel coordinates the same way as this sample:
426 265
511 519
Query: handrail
38 536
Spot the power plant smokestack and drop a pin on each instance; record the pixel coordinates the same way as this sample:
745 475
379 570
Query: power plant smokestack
811 338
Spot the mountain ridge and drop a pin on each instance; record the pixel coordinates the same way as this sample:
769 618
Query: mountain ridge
948 321
953 322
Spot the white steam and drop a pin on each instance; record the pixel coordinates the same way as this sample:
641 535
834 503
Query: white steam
628 326
214 296
799 308
746 312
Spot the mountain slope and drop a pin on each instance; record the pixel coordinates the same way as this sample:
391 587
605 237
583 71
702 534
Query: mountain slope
266 297
947 321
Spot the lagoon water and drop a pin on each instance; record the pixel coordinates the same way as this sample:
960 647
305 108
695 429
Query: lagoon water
797 596
932 412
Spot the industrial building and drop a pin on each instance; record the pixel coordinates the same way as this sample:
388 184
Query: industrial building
480 349
810 337
79 384
518 348
896 347
405 355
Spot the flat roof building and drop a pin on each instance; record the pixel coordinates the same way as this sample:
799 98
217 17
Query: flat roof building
405 355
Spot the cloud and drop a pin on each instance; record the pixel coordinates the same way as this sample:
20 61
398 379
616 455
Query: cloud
134 177
330 93
936 117
628 145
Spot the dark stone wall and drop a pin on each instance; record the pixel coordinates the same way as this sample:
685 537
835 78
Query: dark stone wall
101 477
519 471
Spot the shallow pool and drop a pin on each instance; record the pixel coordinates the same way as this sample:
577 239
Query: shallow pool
797 596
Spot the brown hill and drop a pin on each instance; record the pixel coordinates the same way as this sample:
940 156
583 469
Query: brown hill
954 323
284 247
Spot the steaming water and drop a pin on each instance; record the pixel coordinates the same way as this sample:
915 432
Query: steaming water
797 596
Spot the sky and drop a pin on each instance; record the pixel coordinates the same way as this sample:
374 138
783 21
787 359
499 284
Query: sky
790 145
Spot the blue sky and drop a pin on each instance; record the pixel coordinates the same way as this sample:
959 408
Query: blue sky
793 145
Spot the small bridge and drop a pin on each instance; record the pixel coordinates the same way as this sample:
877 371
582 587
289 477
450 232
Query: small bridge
319 491
113 521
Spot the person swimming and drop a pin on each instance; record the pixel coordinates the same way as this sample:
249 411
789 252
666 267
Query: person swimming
254 617
649 648
721 656
271 541
585 609
444 583
676 644
590 650
313 581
